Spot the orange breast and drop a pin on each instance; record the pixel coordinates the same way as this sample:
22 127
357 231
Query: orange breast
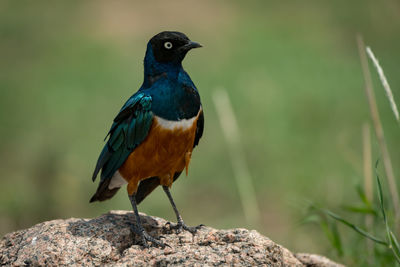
162 153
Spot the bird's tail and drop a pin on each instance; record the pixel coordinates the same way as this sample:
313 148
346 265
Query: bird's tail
145 188
103 192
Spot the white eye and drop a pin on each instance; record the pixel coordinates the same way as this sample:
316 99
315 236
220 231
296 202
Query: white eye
168 45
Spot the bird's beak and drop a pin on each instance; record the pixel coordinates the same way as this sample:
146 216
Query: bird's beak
191 45
194 45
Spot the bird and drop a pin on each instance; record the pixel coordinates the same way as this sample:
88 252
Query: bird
151 139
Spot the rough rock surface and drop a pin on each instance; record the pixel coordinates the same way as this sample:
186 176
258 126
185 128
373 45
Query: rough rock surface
108 240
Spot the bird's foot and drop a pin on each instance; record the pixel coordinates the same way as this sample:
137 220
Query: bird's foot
147 238
180 226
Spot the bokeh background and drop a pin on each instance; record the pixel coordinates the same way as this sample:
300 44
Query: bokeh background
292 72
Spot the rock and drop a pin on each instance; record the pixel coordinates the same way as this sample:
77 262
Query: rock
108 240
311 260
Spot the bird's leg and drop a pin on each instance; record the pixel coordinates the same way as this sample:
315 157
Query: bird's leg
139 227
180 225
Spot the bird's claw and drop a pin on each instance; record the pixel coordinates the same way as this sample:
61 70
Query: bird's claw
145 237
180 226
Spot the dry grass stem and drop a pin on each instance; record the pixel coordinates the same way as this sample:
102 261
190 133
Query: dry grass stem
384 82
367 162
241 172
368 183
379 131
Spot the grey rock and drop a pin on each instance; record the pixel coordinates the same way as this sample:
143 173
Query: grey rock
108 240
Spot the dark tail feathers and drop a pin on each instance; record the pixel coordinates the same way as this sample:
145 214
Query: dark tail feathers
145 188
103 193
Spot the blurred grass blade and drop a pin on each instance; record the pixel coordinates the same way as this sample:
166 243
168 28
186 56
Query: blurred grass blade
337 241
312 218
332 234
365 210
387 162
354 227
380 194
241 171
384 82
363 196
393 243
367 193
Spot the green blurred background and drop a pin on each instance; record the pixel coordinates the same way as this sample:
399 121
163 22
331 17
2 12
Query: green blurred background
291 69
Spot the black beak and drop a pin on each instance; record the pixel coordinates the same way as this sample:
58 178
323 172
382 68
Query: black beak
191 45
194 45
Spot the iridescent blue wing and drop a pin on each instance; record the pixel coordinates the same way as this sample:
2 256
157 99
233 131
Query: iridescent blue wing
129 129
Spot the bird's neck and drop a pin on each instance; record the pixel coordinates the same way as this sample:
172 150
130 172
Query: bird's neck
153 70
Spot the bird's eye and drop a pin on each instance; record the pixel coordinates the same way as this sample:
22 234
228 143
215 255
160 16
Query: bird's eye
168 45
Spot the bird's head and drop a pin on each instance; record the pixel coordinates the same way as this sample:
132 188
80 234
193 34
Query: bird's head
169 47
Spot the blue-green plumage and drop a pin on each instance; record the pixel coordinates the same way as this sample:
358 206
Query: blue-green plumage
167 92
129 129
167 95
174 95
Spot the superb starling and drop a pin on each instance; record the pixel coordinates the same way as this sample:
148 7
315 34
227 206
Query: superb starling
152 137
